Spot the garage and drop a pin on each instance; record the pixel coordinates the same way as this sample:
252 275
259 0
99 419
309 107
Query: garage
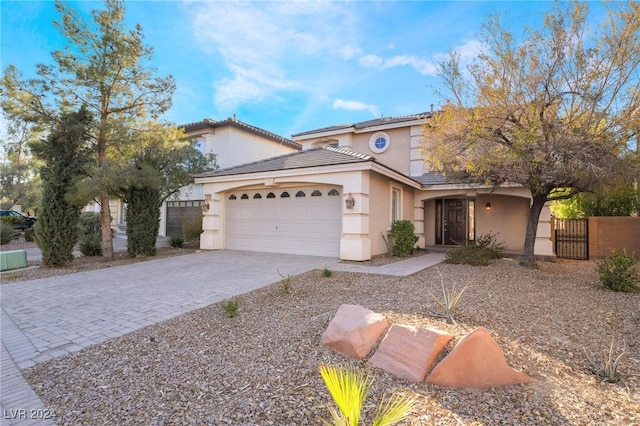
302 220
180 212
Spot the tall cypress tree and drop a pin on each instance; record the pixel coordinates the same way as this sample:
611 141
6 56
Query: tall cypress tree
65 158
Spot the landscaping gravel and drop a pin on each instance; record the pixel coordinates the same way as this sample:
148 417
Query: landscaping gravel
261 367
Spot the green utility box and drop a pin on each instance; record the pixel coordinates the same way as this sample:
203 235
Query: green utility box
13 259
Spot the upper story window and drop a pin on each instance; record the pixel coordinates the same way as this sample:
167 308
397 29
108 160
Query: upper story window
379 142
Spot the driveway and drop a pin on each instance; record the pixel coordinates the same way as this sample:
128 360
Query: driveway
51 317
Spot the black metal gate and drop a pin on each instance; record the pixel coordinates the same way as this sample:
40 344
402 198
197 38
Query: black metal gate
572 238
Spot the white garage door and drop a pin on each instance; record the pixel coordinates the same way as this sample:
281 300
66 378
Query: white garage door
292 220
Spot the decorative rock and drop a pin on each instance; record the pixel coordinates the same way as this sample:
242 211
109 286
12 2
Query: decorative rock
476 362
354 331
408 352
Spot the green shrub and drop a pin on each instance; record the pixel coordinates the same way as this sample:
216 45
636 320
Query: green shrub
403 237
90 244
327 272
90 223
192 228
230 306
7 233
90 234
479 253
12 220
30 234
618 272
176 242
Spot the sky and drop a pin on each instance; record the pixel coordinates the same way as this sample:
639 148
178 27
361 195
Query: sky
284 66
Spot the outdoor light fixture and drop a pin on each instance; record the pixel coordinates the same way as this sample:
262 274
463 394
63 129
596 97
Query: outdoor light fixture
488 206
205 204
350 202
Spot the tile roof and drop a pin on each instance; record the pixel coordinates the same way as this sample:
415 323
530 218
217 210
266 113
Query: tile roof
314 157
208 123
369 123
432 178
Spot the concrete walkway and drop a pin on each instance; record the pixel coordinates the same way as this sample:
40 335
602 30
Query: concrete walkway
52 317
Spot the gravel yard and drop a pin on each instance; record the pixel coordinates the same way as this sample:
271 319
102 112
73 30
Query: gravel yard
261 367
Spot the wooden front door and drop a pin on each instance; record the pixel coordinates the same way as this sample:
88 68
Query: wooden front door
455 221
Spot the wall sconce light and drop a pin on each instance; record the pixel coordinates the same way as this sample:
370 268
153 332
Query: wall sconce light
350 202
205 204
488 206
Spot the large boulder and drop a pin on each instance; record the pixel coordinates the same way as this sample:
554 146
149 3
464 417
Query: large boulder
408 352
354 331
476 362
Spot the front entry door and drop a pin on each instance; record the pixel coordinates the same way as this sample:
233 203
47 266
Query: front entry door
455 222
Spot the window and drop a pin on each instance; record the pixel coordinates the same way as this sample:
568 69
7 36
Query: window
271 195
333 193
316 193
285 195
300 194
471 224
395 204
244 197
232 197
379 142
256 196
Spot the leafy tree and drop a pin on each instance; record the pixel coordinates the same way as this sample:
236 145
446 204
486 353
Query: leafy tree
162 161
105 67
18 168
611 201
553 111
65 157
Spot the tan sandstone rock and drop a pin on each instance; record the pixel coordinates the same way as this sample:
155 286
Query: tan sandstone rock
408 352
476 362
354 331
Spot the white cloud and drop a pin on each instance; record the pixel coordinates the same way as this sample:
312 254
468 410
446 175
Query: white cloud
355 106
349 52
264 47
422 66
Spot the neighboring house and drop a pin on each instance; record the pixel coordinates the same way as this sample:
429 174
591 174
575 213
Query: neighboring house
340 194
233 142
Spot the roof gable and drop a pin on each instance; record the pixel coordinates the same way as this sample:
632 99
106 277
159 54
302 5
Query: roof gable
363 125
314 157
209 124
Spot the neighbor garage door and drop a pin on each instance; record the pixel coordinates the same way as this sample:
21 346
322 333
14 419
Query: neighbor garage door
293 220
179 212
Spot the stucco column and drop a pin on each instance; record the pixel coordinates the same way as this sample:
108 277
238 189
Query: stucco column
355 243
418 221
211 237
544 245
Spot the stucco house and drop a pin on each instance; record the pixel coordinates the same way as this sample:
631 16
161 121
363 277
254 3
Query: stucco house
233 142
341 192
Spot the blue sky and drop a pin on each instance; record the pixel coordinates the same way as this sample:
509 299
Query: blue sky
285 66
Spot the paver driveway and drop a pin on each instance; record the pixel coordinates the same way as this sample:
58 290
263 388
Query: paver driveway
62 314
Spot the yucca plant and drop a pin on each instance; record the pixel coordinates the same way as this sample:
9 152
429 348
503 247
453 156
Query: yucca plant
608 371
450 300
349 389
285 282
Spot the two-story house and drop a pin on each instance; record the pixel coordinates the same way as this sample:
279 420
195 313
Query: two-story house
233 142
340 194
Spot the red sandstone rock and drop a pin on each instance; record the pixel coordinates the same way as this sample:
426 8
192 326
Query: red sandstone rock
408 352
476 362
354 331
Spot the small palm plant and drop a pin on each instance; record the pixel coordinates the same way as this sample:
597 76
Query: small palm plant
349 389
285 282
230 306
450 300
